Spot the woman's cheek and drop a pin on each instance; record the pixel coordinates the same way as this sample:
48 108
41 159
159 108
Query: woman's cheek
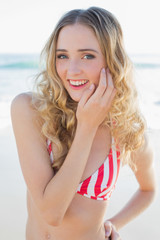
60 69
95 76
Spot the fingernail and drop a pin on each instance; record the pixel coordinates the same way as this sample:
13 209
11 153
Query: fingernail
91 86
107 233
103 70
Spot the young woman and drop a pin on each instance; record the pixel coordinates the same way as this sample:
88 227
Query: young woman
80 126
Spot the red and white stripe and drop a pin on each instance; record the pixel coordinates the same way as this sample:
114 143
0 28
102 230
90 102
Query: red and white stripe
101 183
49 148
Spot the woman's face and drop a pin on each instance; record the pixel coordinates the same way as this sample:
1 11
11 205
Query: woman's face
79 59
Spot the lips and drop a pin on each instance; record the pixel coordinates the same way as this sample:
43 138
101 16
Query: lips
77 84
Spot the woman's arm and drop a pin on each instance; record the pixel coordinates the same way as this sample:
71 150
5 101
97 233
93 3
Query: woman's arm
145 176
51 193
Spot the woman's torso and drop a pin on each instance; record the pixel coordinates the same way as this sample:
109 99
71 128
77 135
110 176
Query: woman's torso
84 217
83 221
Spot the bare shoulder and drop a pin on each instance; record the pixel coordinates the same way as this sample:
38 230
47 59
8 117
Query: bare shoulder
21 104
22 98
22 110
26 120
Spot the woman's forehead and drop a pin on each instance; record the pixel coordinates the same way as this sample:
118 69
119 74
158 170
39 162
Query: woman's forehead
77 36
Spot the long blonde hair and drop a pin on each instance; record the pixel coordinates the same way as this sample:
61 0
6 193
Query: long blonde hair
56 107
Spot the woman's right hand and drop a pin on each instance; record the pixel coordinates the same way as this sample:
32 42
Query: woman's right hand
94 105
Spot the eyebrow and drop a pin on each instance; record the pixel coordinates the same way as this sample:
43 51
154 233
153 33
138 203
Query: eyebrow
79 50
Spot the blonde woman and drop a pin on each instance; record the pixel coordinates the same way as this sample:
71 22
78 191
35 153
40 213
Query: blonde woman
76 131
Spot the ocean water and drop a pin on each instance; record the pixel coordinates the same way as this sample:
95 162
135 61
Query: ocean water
17 73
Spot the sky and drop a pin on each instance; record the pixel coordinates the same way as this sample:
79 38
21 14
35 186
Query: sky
25 25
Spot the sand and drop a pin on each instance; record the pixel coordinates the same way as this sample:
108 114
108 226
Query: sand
13 195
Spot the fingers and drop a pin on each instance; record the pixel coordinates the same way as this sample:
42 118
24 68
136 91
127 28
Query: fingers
97 102
102 85
110 92
110 87
86 95
108 228
105 89
110 231
115 235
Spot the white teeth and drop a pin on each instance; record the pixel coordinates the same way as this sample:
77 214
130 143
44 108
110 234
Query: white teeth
78 83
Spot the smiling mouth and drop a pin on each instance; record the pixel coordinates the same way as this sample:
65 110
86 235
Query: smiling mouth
77 83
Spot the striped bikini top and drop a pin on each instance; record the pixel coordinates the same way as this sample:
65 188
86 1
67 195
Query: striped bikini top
101 183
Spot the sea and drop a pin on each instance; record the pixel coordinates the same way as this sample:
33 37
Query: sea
18 71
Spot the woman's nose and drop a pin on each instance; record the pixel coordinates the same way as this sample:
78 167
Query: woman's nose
73 67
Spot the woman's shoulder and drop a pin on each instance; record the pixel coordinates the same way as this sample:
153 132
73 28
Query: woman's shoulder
23 109
24 102
21 100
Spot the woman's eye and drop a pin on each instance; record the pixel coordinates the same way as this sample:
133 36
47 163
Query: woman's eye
89 56
61 56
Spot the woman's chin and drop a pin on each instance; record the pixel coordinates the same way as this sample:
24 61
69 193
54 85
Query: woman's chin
76 97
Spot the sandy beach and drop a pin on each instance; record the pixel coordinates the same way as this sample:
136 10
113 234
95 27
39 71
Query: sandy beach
13 195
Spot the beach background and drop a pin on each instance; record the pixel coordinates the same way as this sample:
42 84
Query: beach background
18 67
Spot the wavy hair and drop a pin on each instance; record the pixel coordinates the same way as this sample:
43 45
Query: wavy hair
56 107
